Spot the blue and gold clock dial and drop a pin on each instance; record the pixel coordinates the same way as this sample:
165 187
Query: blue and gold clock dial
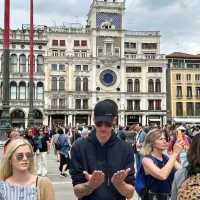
108 77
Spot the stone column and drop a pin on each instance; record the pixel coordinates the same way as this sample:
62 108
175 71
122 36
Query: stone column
143 120
50 121
70 123
89 120
26 122
65 122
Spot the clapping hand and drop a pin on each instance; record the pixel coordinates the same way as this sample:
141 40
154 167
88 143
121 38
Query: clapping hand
95 179
119 177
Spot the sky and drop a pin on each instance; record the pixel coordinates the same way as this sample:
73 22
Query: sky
177 20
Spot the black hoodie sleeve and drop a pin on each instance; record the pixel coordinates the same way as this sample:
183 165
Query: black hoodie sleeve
76 165
130 179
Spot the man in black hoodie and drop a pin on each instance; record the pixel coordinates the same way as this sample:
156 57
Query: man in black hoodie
102 165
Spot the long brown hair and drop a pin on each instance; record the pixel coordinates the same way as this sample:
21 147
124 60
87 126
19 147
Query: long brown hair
193 154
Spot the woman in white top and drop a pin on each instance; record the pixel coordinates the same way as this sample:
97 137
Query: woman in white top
17 178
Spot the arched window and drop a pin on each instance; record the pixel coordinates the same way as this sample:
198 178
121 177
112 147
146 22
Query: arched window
13 63
22 90
158 85
61 84
150 86
37 114
85 84
40 91
22 63
29 63
28 91
40 63
78 84
130 85
137 85
17 114
13 90
54 84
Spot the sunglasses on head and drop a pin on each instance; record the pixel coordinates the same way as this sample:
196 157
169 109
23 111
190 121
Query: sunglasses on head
102 123
20 156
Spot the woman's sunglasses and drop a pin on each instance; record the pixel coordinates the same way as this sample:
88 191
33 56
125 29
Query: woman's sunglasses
102 123
20 156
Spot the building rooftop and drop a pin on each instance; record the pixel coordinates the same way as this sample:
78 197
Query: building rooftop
183 55
108 3
142 33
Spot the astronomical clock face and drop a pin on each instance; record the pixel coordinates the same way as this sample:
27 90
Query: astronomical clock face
108 77
114 19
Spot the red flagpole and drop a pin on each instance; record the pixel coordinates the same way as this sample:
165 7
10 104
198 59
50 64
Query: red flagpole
31 67
6 41
31 35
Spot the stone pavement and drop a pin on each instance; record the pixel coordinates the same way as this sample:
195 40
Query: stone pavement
62 185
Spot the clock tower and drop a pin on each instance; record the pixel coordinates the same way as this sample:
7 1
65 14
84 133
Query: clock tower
106 25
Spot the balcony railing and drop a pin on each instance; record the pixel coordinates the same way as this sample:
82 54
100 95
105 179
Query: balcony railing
57 107
25 103
145 57
69 54
23 35
24 75
67 29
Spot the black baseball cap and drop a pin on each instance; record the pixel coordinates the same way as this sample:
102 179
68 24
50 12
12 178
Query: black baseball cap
104 111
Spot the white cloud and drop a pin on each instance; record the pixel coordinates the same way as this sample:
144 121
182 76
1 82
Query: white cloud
177 20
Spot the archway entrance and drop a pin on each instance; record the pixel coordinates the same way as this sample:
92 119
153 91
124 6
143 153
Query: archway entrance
131 119
58 120
81 119
18 119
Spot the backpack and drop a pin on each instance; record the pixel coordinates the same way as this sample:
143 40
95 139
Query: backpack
62 143
140 183
190 188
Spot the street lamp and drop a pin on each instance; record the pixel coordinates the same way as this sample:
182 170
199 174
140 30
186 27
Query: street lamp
5 123
31 62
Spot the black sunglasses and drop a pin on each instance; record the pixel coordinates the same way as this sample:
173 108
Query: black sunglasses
20 156
102 123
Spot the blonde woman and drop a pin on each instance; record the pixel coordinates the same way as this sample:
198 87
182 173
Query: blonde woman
159 168
17 178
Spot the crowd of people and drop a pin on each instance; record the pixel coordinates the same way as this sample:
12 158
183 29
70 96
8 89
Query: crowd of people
105 162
